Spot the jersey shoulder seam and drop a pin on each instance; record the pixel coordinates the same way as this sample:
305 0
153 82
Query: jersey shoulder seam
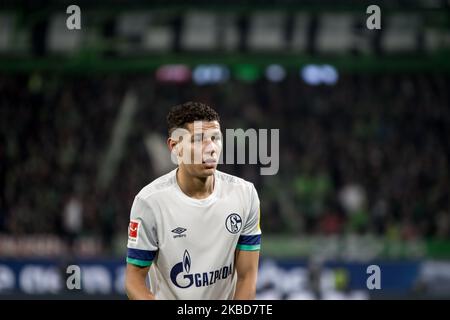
229 178
155 187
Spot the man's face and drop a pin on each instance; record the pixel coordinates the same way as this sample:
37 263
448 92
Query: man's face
199 149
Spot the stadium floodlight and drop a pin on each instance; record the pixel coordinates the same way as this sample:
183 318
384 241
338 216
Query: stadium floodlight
210 74
319 74
329 74
178 73
247 72
311 75
275 73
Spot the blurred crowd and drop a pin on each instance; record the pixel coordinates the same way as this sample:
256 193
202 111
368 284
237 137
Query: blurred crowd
369 154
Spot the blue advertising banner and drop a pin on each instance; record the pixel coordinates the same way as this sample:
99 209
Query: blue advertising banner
277 279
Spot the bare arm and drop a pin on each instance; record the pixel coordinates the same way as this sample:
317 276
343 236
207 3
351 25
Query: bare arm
247 270
135 283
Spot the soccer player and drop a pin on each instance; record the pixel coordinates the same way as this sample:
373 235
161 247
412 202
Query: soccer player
195 230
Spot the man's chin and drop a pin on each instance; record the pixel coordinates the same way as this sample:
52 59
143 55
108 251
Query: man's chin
207 171
202 170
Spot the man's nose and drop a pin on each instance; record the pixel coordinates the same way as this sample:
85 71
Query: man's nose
210 146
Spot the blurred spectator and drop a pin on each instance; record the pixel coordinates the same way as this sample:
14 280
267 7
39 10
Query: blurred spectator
73 218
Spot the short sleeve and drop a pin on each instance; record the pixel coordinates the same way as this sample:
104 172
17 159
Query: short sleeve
250 238
142 234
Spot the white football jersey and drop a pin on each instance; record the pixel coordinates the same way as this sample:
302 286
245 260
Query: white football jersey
190 243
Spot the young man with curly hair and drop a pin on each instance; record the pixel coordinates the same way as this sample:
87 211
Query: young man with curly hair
195 230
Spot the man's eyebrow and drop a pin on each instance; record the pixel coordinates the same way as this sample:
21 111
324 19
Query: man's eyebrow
212 129
213 132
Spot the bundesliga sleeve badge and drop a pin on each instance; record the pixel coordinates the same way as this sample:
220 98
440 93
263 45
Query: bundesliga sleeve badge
133 231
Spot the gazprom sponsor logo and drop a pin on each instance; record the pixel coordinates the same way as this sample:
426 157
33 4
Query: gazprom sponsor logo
182 278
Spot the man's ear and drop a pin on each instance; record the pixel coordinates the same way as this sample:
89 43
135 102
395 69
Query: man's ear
174 146
171 144
174 142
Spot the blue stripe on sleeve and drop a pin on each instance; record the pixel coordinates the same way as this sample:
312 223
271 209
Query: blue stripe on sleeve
145 255
250 240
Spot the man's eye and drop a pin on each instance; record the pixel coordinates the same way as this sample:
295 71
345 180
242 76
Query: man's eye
215 138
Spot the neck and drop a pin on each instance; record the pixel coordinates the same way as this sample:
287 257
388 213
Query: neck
195 187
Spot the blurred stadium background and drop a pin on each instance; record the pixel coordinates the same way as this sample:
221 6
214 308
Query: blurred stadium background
364 119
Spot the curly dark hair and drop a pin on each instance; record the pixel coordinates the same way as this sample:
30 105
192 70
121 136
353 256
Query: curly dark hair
189 112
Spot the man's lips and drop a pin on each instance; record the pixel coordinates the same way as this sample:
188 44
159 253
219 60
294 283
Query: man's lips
209 162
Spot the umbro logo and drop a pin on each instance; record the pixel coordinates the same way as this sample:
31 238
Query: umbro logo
179 232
